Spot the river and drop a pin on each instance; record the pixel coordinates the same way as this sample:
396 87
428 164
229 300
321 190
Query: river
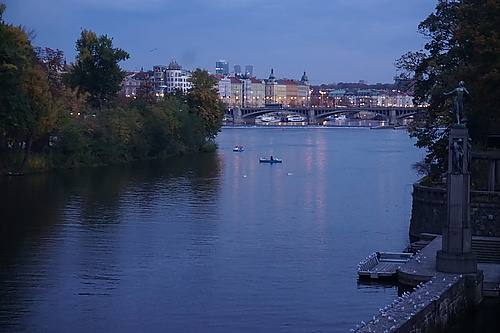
214 242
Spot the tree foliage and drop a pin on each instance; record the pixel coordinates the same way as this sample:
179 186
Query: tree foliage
43 123
203 99
96 70
463 45
26 106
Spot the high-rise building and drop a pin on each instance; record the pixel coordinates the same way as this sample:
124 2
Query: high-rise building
237 69
221 67
249 70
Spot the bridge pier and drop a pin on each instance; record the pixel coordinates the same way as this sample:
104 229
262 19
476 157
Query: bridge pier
392 117
237 117
311 117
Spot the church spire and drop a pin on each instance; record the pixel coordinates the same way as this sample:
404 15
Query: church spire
272 78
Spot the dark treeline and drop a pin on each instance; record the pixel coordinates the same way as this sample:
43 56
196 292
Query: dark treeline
56 116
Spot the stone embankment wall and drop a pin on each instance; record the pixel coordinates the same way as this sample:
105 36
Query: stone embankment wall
429 211
430 308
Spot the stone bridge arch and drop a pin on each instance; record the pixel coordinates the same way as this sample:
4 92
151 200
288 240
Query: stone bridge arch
318 115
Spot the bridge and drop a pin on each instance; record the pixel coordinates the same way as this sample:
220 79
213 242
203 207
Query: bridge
317 115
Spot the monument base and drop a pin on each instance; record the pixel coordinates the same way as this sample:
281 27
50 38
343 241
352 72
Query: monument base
460 263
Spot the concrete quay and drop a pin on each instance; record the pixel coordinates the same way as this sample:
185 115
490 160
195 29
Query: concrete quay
422 268
435 299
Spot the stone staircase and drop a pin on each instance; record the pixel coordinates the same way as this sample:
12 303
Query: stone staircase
487 249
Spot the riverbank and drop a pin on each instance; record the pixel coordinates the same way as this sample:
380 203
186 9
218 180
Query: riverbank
438 301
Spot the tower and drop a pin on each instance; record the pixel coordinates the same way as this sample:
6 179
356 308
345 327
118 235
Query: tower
221 67
249 70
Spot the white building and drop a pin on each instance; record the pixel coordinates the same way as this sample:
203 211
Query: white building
224 88
176 78
169 78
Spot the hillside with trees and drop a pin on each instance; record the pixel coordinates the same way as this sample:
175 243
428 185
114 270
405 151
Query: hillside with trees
56 116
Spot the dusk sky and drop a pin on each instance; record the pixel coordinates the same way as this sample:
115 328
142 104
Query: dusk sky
331 40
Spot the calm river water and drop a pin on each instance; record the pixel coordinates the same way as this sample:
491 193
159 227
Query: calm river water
209 243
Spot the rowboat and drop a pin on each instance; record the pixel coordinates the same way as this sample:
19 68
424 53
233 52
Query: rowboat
270 160
382 264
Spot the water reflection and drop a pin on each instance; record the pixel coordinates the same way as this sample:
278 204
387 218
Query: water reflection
64 233
213 242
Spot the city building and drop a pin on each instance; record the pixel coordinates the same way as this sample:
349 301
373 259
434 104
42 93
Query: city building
176 78
275 91
250 92
224 88
253 92
236 91
159 79
249 70
304 92
132 81
237 70
364 98
291 92
169 78
221 67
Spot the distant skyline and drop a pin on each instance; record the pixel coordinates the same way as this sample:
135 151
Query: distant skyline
331 40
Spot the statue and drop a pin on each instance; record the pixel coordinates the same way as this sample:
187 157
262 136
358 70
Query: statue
457 156
460 94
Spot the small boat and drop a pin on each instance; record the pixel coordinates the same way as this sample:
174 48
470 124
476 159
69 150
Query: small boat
296 118
382 264
238 148
270 160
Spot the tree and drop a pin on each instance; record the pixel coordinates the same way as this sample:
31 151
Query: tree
463 45
96 70
26 108
53 64
146 91
40 113
203 100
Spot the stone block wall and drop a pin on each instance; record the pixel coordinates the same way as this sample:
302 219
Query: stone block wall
429 212
430 308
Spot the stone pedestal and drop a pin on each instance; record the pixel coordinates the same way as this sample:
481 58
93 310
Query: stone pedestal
460 263
456 255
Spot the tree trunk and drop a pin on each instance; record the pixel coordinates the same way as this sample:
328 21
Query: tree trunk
27 152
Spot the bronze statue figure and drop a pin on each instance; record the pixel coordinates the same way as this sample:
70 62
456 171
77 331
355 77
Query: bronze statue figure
460 94
457 156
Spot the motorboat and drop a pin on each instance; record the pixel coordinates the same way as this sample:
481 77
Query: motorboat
238 148
296 118
268 119
270 160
